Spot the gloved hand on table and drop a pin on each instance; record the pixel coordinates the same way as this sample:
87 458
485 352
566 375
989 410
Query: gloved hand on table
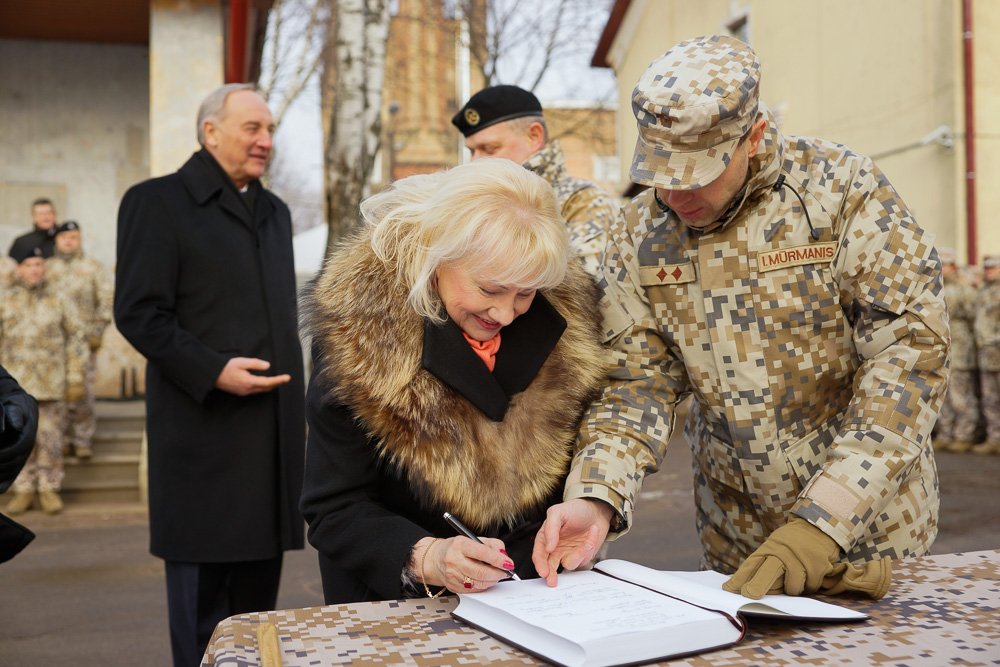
799 558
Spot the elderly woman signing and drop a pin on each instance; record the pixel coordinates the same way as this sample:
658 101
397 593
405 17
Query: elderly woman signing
456 346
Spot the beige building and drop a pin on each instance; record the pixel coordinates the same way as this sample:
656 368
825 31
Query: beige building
888 79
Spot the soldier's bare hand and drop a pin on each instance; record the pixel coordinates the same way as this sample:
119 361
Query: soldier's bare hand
570 536
236 377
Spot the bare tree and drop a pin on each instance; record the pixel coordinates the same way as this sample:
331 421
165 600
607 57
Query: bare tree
353 94
294 53
521 41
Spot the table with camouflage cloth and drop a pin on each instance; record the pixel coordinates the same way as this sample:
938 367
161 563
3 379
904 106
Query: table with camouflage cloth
941 610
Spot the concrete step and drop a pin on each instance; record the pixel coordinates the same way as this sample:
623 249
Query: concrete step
120 442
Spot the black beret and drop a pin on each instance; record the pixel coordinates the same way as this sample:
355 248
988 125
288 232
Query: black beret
25 251
495 105
67 226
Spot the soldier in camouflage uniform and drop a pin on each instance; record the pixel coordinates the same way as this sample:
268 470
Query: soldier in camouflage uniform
783 284
956 427
987 330
507 122
41 343
87 284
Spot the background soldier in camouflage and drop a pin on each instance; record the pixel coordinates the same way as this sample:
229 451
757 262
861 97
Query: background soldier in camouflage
41 343
960 408
87 284
987 330
507 122
782 284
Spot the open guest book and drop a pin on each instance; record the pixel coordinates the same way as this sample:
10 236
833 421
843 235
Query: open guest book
621 613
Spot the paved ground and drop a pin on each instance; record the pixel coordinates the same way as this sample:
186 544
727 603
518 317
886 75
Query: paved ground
87 593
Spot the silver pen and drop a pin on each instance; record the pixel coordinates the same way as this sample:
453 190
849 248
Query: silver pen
460 527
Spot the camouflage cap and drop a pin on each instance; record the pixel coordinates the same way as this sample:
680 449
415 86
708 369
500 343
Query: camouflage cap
693 104
946 255
991 261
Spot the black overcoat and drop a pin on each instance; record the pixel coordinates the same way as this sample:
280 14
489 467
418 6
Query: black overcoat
201 280
15 448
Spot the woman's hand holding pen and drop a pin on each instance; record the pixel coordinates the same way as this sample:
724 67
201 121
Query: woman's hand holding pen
460 564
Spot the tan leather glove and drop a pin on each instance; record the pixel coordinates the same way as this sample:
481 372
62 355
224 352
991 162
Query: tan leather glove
74 393
795 559
872 579
94 343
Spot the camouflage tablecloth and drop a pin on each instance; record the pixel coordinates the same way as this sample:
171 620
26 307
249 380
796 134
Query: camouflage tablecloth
941 610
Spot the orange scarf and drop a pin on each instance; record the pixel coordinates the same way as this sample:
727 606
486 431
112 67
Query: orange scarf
487 350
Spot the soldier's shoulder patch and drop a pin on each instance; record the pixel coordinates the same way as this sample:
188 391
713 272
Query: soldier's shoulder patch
781 258
667 274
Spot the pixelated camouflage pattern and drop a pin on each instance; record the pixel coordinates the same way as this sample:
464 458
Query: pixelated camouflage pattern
987 325
960 297
588 210
87 283
815 385
960 409
692 106
989 382
940 610
41 339
43 471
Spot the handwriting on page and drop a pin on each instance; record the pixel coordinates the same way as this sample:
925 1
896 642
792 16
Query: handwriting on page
593 609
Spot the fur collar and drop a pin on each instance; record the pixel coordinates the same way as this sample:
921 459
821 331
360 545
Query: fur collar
373 350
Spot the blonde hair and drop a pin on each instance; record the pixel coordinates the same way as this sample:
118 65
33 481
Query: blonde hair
491 217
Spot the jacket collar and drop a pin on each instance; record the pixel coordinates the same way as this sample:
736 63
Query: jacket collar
526 344
205 179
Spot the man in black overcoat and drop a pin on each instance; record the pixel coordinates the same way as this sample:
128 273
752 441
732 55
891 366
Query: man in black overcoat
206 292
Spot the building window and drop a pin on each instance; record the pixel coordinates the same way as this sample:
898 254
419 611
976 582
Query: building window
607 168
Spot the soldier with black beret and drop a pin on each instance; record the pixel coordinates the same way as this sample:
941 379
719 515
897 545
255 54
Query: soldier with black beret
86 283
507 122
41 343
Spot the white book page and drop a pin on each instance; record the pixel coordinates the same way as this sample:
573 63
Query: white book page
605 621
705 588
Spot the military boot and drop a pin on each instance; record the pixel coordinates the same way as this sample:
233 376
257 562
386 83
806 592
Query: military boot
51 502
988 447
21 503
83 452
941 444
959 446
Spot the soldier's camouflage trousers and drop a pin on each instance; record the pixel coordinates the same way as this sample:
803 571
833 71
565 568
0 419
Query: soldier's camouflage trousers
960 408
44 469
80 421
990 383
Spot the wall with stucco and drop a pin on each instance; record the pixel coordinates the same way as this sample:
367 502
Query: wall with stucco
75 129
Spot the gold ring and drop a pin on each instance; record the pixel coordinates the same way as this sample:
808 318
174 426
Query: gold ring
468 580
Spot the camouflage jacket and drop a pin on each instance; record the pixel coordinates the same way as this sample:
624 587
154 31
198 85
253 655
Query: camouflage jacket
987 326
588 210
961 300
816 367
87 283
41 339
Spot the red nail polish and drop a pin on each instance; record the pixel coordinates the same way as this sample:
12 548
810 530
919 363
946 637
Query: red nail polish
508 565
467 584
503 552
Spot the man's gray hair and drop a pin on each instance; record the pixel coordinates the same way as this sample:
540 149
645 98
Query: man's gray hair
214 104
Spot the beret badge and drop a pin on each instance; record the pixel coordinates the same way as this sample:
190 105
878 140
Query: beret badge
472 117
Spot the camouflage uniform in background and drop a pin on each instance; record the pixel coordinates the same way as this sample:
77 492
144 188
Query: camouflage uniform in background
86 283
816 367
987 330
42 345
588 210
960 408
